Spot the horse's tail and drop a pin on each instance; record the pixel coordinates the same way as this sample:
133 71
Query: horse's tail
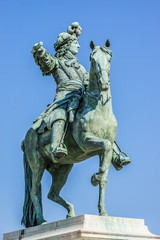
29 212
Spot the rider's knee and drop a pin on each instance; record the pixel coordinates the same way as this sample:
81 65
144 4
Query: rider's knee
57 114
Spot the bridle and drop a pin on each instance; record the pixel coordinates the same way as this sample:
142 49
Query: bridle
97 74
92 96
98 98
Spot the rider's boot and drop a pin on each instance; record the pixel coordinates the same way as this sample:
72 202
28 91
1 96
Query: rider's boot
118 161
58 149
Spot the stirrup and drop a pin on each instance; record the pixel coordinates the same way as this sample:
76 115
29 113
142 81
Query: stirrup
125 160
118 167
60 152
120 161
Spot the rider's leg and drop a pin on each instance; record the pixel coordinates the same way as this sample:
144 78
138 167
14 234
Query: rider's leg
118 160
57 148
56 122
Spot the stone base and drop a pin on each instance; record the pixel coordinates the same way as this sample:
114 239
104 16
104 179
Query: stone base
86 227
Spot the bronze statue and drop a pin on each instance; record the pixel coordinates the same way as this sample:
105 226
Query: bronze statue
78 124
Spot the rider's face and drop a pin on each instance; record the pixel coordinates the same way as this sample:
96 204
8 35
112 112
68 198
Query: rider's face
74 47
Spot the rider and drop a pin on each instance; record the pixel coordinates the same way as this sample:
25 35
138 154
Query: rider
72 79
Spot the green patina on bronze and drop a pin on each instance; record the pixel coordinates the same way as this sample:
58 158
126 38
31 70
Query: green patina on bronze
78 124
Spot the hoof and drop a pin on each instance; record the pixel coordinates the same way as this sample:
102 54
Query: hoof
103 214
42 221
70 215
95 179
45 222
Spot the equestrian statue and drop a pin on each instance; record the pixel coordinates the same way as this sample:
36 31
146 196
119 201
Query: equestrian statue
79 124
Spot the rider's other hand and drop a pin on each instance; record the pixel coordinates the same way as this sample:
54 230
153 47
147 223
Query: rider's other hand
71 117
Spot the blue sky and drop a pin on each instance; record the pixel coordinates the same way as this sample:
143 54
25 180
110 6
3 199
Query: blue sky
133 29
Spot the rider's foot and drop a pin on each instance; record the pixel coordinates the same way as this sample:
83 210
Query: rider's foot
124 160
120 161
58 153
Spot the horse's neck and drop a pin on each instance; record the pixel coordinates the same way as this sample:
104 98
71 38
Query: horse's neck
105 101
99 99
93 87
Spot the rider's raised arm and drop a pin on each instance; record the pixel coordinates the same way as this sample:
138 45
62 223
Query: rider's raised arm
43 59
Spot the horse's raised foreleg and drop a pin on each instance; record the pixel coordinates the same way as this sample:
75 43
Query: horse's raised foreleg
59 178
92 143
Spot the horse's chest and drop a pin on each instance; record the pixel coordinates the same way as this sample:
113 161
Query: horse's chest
101 123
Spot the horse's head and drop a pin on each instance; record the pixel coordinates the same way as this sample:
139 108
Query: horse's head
100 66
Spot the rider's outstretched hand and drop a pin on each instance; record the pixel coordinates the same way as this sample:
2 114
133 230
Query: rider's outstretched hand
38 52
37 47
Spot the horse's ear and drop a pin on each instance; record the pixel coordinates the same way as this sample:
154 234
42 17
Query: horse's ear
92 46
107 44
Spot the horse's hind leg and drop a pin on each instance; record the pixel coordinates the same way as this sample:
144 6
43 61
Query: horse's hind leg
36 181
59 178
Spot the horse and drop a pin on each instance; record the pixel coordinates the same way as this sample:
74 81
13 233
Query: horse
92 133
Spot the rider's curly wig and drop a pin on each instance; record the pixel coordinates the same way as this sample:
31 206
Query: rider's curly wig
62 50
65 39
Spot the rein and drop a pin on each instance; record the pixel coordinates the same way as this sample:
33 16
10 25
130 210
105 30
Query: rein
98 98
103 69
97 73
92 96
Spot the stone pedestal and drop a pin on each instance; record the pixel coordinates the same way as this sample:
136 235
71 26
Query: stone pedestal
86 227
